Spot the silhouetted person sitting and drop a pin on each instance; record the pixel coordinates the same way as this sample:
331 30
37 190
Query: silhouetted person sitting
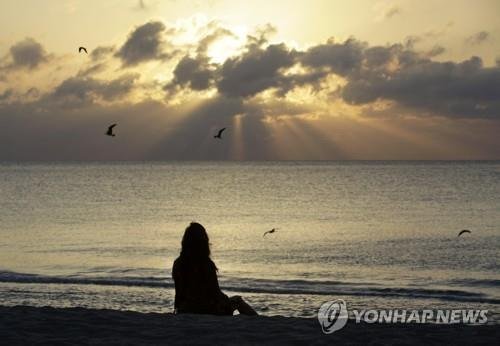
195 275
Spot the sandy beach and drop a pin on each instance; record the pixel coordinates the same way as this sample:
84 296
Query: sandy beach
23 325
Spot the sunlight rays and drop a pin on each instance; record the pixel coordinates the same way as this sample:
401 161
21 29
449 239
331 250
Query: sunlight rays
237 141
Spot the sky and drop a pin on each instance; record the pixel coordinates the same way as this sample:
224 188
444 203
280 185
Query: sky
289 80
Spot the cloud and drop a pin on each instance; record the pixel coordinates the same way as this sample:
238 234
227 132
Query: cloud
32 93
27 54
145 43
263 93
255 70
435 51
192 137
92 70
55 133
206 41
143 132
410 78
391 12
261 36
79 91
432 34
101 52
341 58
197 73
4 96
194 73
478 38
397 73
385 11
465 89
262 87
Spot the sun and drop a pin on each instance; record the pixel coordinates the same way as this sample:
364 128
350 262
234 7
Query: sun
227 46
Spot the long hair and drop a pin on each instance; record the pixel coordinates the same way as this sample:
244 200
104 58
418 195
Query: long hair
195 244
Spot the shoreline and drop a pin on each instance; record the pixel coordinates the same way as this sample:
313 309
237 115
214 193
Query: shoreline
21 325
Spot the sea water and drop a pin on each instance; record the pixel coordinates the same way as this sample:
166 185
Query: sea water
376 234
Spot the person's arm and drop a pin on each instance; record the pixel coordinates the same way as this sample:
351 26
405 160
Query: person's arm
214 282
178 287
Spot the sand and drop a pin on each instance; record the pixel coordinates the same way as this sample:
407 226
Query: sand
53 326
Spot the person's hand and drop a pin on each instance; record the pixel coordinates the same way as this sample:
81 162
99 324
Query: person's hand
235 301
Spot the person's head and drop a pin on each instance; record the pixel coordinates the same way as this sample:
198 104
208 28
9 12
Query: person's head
195 243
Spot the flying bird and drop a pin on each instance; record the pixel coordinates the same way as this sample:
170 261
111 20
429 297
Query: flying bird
80 49
110 130
269 232
218 135
463 231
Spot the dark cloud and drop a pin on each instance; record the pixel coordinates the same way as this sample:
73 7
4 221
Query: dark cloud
275 107
256 70
193 136
143 132
197 73
341 58
412 40
399 73
433 35
32 93
101 52
12 96
194 73
465 89
395 73
4 96
63 123
435 51
55 133
91 70
261 36
27 54
81 91
145 43
289 82
478 38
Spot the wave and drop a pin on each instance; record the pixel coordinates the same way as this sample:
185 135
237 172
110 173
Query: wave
8 276
477 282
266 286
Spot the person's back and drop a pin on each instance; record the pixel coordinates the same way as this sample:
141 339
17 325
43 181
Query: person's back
197 289
195 276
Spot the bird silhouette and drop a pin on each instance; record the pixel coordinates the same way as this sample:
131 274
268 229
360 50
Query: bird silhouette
80 49
269 232
110 130
463 231
218 135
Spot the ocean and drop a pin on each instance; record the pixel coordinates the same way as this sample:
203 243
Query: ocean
378 234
